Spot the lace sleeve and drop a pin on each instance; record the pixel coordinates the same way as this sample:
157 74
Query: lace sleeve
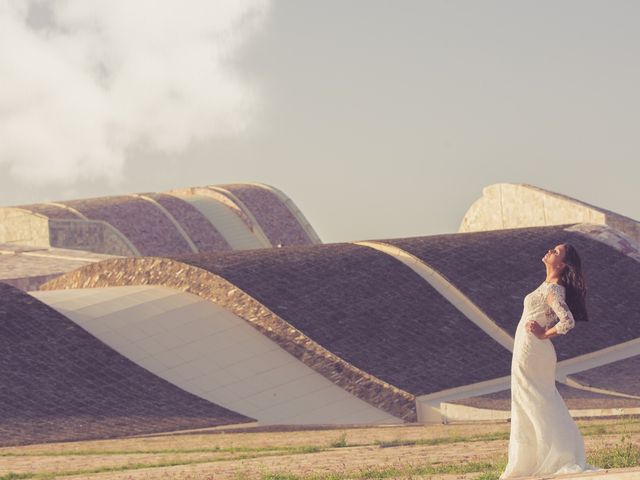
555 299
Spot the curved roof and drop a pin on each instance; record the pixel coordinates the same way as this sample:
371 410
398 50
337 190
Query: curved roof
194 219
362 305
207 350
401 324
60 383
371 325
210 218
200 281
496 269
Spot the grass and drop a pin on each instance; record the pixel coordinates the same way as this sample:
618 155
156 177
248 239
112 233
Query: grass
160 464
301 449
339 442
491 470
624 453
254 453
443 440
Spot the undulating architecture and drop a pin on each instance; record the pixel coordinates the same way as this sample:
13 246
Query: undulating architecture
55 237
367 332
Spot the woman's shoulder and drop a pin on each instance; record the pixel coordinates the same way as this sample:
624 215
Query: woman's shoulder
555 287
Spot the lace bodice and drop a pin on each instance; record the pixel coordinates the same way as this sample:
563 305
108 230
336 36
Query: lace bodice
546 305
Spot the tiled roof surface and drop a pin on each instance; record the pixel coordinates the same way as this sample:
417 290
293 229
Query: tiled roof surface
201 232
574 398
496 269
20 266
368 309
277 222
144 224
60 383
28 267
51 211
180 276
622 376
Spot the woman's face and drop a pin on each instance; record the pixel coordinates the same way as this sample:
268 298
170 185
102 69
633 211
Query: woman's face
555 257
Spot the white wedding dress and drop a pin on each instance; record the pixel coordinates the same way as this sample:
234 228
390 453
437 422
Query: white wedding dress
544 438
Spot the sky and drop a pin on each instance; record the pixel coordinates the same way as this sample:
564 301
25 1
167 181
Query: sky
379 119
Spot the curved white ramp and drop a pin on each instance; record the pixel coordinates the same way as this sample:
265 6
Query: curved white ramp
230 226
206 350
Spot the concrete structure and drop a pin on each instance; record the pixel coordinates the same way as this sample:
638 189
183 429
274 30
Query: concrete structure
191 220
408 325
507 205
379 331
60 383
27 267
210 352
162 223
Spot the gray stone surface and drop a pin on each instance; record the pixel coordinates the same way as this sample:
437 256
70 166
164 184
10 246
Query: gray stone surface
278 223
143 223
496 269
359 317
622 376
198 281
29 267
203 234
574 398
370 310
59 383
51 211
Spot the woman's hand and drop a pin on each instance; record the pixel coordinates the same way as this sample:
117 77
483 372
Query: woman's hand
537 329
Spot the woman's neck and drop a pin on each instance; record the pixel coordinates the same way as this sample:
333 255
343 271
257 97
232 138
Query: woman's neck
552 275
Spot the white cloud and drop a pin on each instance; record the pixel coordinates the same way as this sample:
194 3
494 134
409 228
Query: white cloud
83 81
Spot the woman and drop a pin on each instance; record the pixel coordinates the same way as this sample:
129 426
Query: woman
544 438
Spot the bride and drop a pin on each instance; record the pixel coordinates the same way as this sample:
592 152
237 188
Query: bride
544 438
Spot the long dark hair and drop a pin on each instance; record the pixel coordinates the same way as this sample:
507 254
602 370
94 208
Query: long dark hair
574 283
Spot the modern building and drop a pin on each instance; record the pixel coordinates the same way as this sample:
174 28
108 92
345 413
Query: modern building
366 332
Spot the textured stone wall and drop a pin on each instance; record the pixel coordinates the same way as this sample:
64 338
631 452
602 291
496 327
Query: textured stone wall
145 225
276 220
496 269
92 236
506 205
202 233
23 227
60 383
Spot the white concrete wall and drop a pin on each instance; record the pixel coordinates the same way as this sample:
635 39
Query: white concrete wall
206 350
